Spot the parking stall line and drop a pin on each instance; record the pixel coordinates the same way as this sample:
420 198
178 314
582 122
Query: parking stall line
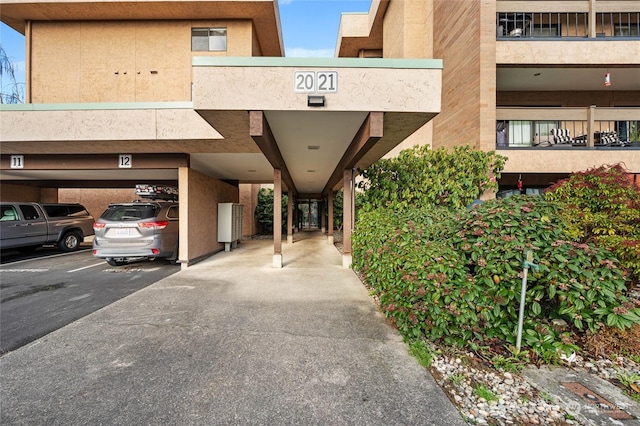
85 267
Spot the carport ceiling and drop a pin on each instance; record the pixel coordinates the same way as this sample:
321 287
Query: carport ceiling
569 79
311 142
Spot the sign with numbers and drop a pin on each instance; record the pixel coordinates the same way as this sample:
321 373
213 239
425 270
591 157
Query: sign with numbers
17 161
315 82
125 161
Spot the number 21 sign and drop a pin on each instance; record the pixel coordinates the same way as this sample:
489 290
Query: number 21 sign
315 82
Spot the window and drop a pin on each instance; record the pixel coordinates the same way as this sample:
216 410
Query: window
627 30
519 133
8 214
545 30
543 134
29 212
208 39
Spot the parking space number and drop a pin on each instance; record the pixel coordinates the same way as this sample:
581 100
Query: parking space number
17 161
125 161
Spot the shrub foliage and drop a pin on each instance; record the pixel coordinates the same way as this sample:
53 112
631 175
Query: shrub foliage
603 207
422 178
456 277
454 274
264 211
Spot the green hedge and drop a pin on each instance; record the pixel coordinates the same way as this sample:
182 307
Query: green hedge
456 277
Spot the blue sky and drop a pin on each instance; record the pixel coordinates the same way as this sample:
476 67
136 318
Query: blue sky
309 29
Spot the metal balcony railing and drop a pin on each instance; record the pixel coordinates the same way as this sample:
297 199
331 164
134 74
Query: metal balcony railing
570 128
550 25
618 24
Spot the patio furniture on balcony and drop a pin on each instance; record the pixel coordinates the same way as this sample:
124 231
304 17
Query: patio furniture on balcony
513 25
607 138
561 136
579 141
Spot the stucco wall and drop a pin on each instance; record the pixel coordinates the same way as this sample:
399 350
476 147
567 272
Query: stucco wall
407 29
570 99
456 41
10 192
249 200
96 200
125 61
199 198
602 52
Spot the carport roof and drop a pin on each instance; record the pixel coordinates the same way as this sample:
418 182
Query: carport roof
246 118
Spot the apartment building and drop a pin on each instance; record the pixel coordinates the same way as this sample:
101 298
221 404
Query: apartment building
197 94
553 85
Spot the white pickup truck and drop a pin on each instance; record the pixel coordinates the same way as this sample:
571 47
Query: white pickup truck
27 226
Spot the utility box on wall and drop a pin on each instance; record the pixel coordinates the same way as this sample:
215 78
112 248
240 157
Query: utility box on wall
229 224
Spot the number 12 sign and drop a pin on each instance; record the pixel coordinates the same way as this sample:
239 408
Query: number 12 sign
315 82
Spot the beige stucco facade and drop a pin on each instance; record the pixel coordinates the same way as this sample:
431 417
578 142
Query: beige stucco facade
122 61
107 80
116 95
486 74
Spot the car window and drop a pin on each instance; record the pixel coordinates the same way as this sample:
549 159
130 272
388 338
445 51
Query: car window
29 212
173 212
8 213
56 210
76 210
127 212
65 210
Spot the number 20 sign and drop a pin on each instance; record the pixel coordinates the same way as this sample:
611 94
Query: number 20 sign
315 82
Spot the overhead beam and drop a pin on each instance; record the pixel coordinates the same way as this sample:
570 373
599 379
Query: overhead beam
97 161
261 133
368 134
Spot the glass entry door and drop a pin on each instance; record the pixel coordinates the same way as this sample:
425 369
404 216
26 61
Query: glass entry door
308 214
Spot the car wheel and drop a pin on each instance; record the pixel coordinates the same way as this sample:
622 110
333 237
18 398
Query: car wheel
114 262
70 241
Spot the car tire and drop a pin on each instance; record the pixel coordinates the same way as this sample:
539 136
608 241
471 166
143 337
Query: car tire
70 241
113 262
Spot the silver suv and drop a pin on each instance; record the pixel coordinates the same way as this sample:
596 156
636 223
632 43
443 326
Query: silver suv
140 229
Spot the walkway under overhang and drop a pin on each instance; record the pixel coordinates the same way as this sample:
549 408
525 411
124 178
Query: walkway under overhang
248 122
369 107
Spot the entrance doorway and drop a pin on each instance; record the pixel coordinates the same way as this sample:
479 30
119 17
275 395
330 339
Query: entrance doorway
308 217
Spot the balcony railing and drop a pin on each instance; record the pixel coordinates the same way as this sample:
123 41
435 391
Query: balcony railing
618 25
570 128
553 25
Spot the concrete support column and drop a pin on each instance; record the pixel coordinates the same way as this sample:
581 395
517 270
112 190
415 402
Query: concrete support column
591 126
290 218
183 224
277 218
347 217
330 219
321 214
592 18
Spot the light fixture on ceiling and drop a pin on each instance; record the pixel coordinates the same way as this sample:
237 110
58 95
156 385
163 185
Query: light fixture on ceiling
311 171
313 147
537 74
251 170
315 101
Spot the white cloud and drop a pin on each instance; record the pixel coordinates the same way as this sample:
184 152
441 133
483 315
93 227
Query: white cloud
301 52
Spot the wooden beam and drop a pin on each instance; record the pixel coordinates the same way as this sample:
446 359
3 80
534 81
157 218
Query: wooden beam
369 133
277 212
261 133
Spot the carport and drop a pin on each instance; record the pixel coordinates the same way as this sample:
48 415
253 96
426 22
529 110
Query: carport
251 120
